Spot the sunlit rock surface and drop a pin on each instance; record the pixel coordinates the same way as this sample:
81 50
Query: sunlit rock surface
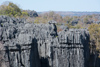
25 44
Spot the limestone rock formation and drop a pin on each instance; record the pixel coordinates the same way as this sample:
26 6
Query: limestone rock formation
39 45
32 13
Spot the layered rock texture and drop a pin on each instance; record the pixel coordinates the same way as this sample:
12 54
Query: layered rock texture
25 44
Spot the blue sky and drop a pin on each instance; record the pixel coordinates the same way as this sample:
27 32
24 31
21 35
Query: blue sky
57 5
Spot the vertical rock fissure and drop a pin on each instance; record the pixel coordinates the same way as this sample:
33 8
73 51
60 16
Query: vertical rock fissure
40 45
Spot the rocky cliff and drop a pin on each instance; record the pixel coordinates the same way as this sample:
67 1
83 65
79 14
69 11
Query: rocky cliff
39 45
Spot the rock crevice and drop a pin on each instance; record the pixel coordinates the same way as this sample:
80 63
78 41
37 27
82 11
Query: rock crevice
39 45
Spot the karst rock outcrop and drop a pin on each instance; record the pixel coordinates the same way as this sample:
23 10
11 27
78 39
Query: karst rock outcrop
25 44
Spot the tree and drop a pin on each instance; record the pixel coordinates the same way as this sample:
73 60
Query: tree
11 10
94 31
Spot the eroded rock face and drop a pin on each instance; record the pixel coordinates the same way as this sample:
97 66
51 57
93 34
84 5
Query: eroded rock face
72 49
39 45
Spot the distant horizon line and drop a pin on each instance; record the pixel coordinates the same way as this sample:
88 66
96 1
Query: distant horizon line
66 11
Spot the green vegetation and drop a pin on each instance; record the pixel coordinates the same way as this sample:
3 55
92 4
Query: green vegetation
24 13
94 31
44 18
12 10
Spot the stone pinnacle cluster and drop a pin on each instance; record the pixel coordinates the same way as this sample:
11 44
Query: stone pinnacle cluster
25 44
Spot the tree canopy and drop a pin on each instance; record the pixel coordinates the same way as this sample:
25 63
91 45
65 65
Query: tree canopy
11 10
94 31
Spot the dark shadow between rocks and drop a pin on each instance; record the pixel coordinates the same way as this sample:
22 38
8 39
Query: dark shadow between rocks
98 61
34 55
35 60
85 42
44 62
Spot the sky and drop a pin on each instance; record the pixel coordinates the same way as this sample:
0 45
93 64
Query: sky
57 5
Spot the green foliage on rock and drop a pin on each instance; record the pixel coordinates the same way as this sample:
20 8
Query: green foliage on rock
24 13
